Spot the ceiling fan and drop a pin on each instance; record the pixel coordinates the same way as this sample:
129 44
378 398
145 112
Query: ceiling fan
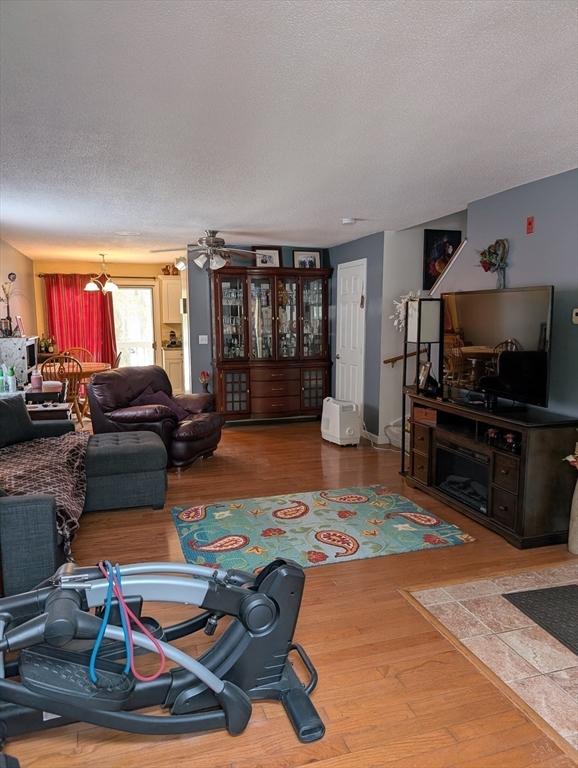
210 251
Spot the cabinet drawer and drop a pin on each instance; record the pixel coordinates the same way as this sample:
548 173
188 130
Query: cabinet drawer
420 467
505 473
275 388
420 436
275 374
504 507
266 406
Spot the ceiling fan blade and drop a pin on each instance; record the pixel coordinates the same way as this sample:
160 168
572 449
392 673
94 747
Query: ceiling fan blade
239 252
167 250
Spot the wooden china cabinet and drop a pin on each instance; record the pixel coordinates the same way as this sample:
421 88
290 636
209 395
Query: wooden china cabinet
270 341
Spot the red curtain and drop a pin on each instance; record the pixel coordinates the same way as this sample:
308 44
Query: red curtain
79 318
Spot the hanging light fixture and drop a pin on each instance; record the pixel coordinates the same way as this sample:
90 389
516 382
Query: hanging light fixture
102 282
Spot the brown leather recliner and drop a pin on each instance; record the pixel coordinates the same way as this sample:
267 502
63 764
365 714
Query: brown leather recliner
195 432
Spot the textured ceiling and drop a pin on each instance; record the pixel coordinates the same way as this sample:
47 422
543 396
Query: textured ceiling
271 119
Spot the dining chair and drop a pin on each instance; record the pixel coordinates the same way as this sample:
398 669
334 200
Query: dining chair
80 353
455 364
68 370
117 360
508 345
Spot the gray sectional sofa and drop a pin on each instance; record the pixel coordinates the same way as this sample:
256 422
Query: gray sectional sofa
122 470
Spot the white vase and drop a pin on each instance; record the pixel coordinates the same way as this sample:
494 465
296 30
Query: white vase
573 529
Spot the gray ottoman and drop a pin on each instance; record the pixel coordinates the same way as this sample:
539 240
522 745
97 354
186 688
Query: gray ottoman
125 469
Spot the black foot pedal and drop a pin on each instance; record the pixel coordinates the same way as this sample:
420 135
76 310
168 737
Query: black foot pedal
50 672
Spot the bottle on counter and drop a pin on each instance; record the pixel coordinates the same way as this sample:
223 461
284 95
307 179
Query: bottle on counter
12 387
2 382
36 379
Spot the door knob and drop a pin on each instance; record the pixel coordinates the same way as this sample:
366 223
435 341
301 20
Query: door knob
337 357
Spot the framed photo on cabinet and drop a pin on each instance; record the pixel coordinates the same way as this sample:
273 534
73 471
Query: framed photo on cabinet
307 259
267 255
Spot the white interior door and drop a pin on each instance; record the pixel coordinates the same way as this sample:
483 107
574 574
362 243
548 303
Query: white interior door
350 341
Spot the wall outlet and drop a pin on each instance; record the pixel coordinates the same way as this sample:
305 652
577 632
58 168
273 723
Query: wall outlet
203 339
575 316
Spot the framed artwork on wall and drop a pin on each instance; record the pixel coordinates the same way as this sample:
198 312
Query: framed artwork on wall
306 259
267 255
439 245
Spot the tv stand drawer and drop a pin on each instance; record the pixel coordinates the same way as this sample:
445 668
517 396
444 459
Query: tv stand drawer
504 508
420 438
505 472
420 467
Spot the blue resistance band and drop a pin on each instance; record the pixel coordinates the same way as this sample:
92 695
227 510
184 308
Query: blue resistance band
102 630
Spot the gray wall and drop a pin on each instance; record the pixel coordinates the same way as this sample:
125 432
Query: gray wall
548 257
200 312
370 248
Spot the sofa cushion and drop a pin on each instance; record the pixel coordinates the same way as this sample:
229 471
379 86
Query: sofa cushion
199 426
148 397
140 414
119 453
15 420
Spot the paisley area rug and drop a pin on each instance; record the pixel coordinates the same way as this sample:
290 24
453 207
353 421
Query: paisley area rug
314 528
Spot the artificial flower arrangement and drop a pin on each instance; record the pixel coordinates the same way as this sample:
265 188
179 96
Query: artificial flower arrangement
7 291
204 378
494 258
398 316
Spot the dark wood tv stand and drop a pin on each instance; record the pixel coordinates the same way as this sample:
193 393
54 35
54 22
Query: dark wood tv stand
504 470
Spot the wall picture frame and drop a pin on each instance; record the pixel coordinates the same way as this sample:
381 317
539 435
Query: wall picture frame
424 374
306 259
439 246
267 255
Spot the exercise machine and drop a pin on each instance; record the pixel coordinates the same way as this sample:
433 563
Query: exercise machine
73 643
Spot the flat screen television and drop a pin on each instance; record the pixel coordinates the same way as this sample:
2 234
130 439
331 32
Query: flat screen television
497 343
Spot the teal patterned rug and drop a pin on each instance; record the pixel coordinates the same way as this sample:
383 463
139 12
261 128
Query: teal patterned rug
314 528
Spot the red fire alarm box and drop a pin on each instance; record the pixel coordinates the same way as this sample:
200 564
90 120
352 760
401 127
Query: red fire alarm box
530 225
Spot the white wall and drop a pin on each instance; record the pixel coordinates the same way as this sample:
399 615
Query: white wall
402 272
22 301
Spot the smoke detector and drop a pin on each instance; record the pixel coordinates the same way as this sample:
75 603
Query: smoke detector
348 220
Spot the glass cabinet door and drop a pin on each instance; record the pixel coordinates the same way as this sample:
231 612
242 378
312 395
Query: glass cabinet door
312 317
233 317
235 391
261 317
287 308
312 388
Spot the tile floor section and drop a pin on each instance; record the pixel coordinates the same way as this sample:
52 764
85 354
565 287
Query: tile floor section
542 671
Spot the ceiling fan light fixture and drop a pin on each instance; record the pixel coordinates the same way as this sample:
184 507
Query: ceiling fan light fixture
181 263
217 262
201 260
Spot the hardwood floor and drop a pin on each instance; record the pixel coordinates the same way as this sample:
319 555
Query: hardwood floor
392 690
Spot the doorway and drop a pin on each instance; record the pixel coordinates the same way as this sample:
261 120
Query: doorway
350 336
134 324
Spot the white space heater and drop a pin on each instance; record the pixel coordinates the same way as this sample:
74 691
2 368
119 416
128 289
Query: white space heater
340 422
